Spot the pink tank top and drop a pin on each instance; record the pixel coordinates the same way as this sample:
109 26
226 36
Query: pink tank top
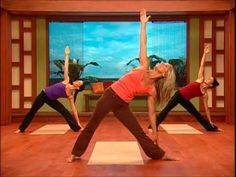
130 84
191 90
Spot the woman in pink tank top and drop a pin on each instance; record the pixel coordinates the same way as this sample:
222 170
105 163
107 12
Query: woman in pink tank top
50 94
157 83
195 89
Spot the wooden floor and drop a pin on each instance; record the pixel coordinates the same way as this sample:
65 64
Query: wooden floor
210 154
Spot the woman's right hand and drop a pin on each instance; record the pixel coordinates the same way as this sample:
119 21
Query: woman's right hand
143 16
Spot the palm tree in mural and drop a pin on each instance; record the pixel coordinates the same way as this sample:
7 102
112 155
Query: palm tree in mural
180 70
76 69
154 59
178 64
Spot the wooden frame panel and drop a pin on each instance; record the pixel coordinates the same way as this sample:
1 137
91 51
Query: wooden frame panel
32 53
213 62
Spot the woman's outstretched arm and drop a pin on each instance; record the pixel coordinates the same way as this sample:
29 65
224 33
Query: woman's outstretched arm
152 115
66 64
144 62
74 110
200 76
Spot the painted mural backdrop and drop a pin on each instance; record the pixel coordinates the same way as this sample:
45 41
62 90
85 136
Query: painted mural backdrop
107 50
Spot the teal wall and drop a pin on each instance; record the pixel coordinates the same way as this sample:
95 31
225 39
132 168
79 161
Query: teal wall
42 63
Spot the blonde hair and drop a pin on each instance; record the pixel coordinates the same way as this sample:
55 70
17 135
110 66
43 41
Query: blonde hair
165 86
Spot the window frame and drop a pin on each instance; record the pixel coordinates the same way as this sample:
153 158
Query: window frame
117 18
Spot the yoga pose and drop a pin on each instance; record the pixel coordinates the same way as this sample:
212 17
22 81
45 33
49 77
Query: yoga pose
195 89
50 95
158 83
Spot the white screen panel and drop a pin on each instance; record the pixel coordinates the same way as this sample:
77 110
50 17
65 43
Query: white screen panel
220 104
220 63
209 91
27 87
207 72
27 24
15 52
27 104
27 64
27 41
15 99
15 30
220 88
220 40
208 55
15 76
220 23
208 29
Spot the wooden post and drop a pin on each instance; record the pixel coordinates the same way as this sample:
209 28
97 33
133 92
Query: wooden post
5 68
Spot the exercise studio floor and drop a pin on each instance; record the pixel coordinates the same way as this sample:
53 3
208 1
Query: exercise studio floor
113 151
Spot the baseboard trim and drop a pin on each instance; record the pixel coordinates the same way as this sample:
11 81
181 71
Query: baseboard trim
84 116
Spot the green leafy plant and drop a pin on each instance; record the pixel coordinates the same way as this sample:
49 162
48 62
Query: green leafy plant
180 71
76 69
152 58
178 64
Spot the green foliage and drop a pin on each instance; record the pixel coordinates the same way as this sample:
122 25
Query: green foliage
178 64
75 69
180 70
152 58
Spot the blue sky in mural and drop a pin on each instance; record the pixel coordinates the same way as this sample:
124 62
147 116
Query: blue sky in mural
113 44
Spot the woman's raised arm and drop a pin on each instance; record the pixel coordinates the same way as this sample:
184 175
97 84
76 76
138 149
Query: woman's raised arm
144 62
66 64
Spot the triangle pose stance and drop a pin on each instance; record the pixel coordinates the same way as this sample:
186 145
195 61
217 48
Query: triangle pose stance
198 88
158 83
50 95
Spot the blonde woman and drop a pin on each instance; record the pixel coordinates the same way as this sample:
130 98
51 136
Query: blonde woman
157 83
50 95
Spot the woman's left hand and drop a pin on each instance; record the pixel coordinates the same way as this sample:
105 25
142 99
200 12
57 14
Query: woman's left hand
154 138
67 50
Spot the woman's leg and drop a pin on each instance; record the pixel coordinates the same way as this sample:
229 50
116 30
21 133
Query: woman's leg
124 114
55 104
38 103
103 106
170 105
191 109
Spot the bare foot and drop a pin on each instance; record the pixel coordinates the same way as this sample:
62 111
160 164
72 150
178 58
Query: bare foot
150 130
71 158
18 131
169 158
